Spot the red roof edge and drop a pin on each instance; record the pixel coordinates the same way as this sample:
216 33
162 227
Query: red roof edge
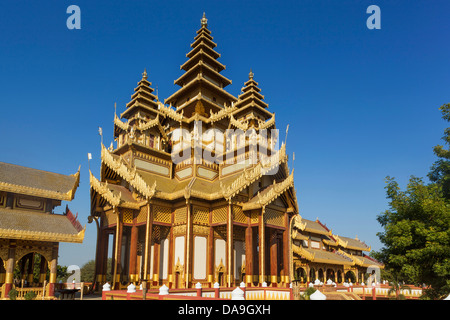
73 219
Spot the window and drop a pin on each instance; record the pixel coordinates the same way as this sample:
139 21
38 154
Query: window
151 141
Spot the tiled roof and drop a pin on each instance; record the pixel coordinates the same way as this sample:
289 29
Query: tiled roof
315 227
354 244
322 256
31 225
24 180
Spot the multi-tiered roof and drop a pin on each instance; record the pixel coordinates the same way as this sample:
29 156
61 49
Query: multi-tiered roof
202 84
144 131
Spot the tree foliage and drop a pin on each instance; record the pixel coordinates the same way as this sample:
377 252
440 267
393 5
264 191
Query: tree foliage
440 171
416 234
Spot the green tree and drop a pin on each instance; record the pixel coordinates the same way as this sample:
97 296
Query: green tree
417 226
440 171
88 271
417 236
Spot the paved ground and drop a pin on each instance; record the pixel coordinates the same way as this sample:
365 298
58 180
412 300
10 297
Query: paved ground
87 296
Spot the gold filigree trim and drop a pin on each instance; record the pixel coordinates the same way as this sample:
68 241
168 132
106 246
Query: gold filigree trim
42 236
249 176
103 190
130 175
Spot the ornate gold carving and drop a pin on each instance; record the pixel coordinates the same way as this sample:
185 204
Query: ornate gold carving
130 175
179 230
302 252
103 190
226 112
219 214
238 214
274 217
200 215
142 216
275 191
249 176
170 112
357 260
297 223
162 214
197 229
127 216
39 235
180 216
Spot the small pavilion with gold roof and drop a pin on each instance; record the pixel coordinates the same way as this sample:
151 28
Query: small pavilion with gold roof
30 231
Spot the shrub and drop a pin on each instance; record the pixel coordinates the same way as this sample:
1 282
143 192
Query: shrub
13 294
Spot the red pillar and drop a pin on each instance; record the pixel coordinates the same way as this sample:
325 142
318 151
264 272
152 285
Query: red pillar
53 270
248 256
133 252
10 267
273 257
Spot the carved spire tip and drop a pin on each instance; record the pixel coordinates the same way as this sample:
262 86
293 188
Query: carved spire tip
144 74
204 21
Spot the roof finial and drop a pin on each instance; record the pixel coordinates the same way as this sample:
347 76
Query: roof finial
144 74
250 75
204 21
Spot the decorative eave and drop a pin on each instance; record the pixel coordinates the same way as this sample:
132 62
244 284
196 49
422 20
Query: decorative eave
221 114
199 65
321 256
42 236
245 125
203 46
265 198
358 260
249 176
125 126
30 225
254 105
138 105
130 175
345 244
103 190
298 223
193 83
201 53
208 42
249 98
302 252
169 112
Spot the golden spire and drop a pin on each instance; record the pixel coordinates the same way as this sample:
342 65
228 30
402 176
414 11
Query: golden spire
204 21
250 75
144 74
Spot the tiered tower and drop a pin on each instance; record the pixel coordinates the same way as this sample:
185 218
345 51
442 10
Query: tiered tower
202 86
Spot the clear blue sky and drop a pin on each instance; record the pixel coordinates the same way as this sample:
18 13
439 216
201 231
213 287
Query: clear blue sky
362 104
